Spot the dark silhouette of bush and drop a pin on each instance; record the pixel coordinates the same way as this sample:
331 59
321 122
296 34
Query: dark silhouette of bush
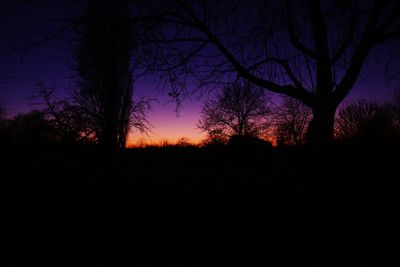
31 130
215 139
247 143
4 135
213 142
364 121
183 142
394 108
2 113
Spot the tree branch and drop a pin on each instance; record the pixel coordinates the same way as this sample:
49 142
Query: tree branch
285 65
393 15
360 54
347 40
388 36
324 72
290 90
295 40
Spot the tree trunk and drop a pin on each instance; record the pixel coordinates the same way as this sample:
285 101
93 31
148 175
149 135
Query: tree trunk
108 141
110 123
321 137
321 189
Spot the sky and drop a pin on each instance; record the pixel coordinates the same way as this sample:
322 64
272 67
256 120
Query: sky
19 24
48 63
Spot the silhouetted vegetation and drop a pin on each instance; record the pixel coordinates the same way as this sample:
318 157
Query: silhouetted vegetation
184 142
163 203
31 130
214 139
240 109
3 124
303 165
291 121
312 51
2 113
366 120
103 66
249 143
394 107
71 122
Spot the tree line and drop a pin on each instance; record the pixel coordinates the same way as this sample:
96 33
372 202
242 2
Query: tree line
241 111
99 106
245 110
311 52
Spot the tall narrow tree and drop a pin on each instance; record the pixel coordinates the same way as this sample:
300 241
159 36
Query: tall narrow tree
103 68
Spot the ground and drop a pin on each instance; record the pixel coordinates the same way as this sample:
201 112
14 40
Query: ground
173 204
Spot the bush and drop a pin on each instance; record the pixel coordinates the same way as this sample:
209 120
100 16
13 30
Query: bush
248 143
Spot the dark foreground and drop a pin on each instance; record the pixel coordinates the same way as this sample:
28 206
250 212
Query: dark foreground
184 205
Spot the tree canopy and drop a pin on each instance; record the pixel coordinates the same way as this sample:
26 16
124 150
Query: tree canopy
240 109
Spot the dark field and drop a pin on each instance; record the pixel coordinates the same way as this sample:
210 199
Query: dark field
175 204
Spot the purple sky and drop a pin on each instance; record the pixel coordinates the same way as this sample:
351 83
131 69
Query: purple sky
48 63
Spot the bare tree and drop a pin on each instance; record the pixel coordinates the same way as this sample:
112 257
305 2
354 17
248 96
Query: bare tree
241 109
184 142
103 67
291 122
2 112
73 123
313 51
215 138
364 119
396 110
31 129
3 130
70 121
397 97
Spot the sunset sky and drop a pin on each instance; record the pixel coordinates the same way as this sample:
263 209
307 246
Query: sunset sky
19 24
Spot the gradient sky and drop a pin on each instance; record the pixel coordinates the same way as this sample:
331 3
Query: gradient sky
48 63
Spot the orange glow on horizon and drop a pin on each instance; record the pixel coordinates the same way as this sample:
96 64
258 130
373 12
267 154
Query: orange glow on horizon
138 140
142 140
168 127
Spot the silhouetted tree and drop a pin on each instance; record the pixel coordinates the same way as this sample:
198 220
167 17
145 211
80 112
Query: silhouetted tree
291 121
241 109
4 136
364 120
71 122
2 113
396 97
184 142
215 137
395 106
312 50
31 129
248 143
103 68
